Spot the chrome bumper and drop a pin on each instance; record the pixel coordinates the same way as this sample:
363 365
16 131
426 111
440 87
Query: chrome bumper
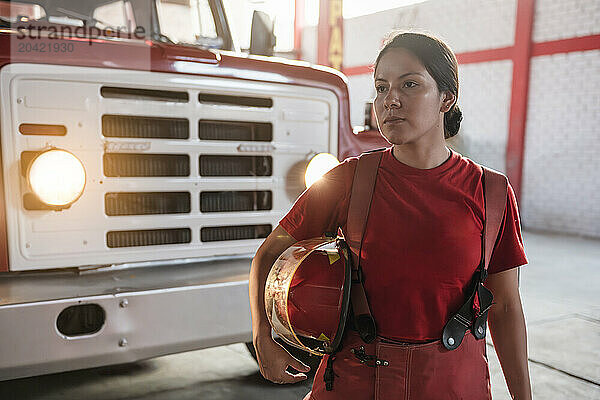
172 309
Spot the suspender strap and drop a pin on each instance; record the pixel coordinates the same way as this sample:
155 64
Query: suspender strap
363 185
495 187
358 211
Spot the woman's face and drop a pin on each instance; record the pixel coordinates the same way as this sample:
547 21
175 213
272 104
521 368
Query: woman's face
408 105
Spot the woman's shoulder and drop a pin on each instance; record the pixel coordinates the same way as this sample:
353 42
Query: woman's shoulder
339 177
478 168
468 165
346 168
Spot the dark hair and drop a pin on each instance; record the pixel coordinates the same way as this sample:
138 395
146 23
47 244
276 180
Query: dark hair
439 61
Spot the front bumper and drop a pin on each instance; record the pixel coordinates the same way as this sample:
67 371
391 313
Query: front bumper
169 309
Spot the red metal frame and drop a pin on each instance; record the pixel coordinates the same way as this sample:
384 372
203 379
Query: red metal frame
358 70
583 43
323 33
298 26
330 32
515 146
472 57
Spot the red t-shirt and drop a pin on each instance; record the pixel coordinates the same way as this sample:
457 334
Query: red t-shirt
422 243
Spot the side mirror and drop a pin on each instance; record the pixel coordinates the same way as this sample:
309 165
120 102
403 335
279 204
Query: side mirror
262 39
209 42
370 122
369 116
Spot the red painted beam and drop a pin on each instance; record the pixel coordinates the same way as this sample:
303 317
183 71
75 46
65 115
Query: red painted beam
583 43
298 27
515 146
359 70
323 33
330 34
471 57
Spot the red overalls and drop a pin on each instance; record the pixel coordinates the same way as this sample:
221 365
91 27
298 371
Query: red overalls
414 371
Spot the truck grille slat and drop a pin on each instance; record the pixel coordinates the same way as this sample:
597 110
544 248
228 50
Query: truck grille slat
145 165
245 101
130 126
211 165
149 237
240 232
111 92
236 201
236 130
143 203
43 129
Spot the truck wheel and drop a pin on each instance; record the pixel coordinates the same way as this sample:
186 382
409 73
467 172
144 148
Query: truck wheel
309 359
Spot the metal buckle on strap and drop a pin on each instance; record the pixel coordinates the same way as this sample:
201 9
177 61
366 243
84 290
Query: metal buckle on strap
357 275
368 359
483 275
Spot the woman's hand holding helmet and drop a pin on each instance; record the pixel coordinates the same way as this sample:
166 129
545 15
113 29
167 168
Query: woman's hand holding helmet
273 361
272 358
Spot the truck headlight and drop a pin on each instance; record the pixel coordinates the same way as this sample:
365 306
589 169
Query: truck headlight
57 177
318 166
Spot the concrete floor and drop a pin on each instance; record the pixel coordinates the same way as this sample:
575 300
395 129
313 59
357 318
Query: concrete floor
558 288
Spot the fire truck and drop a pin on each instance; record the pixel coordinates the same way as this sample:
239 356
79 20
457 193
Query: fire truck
143 160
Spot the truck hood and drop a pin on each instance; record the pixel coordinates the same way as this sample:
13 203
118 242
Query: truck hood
17 46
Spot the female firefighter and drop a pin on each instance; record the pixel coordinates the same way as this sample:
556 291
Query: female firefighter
420 249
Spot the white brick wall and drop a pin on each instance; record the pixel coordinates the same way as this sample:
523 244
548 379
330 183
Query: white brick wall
465 25
563 19
484 98
309 44
561 176
561 183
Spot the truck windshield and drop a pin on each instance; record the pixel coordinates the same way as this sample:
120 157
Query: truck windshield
101 14
188 22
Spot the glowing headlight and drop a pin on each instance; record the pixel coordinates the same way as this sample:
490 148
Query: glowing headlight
319 166
57 177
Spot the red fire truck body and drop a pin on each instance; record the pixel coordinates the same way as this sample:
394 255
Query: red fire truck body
191 156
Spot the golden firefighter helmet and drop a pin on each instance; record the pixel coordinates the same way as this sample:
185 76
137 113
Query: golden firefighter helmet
307 294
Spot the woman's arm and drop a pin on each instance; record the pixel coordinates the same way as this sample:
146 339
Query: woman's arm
272 358
507 327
